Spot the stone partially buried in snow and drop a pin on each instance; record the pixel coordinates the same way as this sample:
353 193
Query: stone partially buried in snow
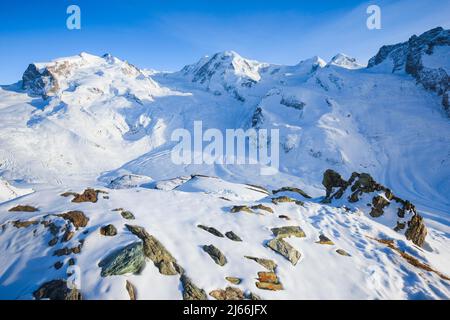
129 259
211 230
78 218
56 290
129 181
191 291
215 254
229 293
266 263
285 249
108 230
288 231
23 208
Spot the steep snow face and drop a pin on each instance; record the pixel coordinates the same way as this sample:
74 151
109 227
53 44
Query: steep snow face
224 72
8 192
424 57
344 61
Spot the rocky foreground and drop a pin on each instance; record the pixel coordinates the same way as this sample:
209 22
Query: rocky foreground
201 237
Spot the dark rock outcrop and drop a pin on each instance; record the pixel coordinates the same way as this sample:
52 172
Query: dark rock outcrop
56 290
191 291
409 57
211 230
215 254
233 236
362 185
155 251
108 230
25 208
78 218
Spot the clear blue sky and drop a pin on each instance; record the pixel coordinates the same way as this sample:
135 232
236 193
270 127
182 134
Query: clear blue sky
167 34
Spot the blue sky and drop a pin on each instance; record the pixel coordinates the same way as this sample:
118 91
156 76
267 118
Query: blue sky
167 34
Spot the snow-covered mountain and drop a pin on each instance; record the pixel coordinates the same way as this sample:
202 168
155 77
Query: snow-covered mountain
94 121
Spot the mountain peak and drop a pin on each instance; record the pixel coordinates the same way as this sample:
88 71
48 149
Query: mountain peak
344 61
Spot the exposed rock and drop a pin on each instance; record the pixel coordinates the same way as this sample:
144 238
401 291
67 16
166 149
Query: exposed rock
289 231
58 265
268 281
215 254
251 296
68 235
233 280
155 251
24 224
292 189
108 230
233 236
69 194
211 230
78 218
129 259
285 249
269 286
362 184
125 214
67 251
25 208
53 241
284 199
416 231
266 263
191 291
235 209
282 216
229 293
89 195
71 262
343 252
131 290
332 179
410 259
56 290
378 205
325 240
262 207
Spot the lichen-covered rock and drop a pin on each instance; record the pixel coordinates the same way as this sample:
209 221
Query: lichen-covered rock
24 224
129 259
215 254
416 231
233 236
131 290
23 208
233 280
266 263
292 189
285 199
325 240
285 249
211 230
56 290
88 195
229 293
288 231
191 291
332 179
343 252
155 251
235 209
108 230
262 207
78 218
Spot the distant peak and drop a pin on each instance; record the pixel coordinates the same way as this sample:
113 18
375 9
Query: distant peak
344 61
